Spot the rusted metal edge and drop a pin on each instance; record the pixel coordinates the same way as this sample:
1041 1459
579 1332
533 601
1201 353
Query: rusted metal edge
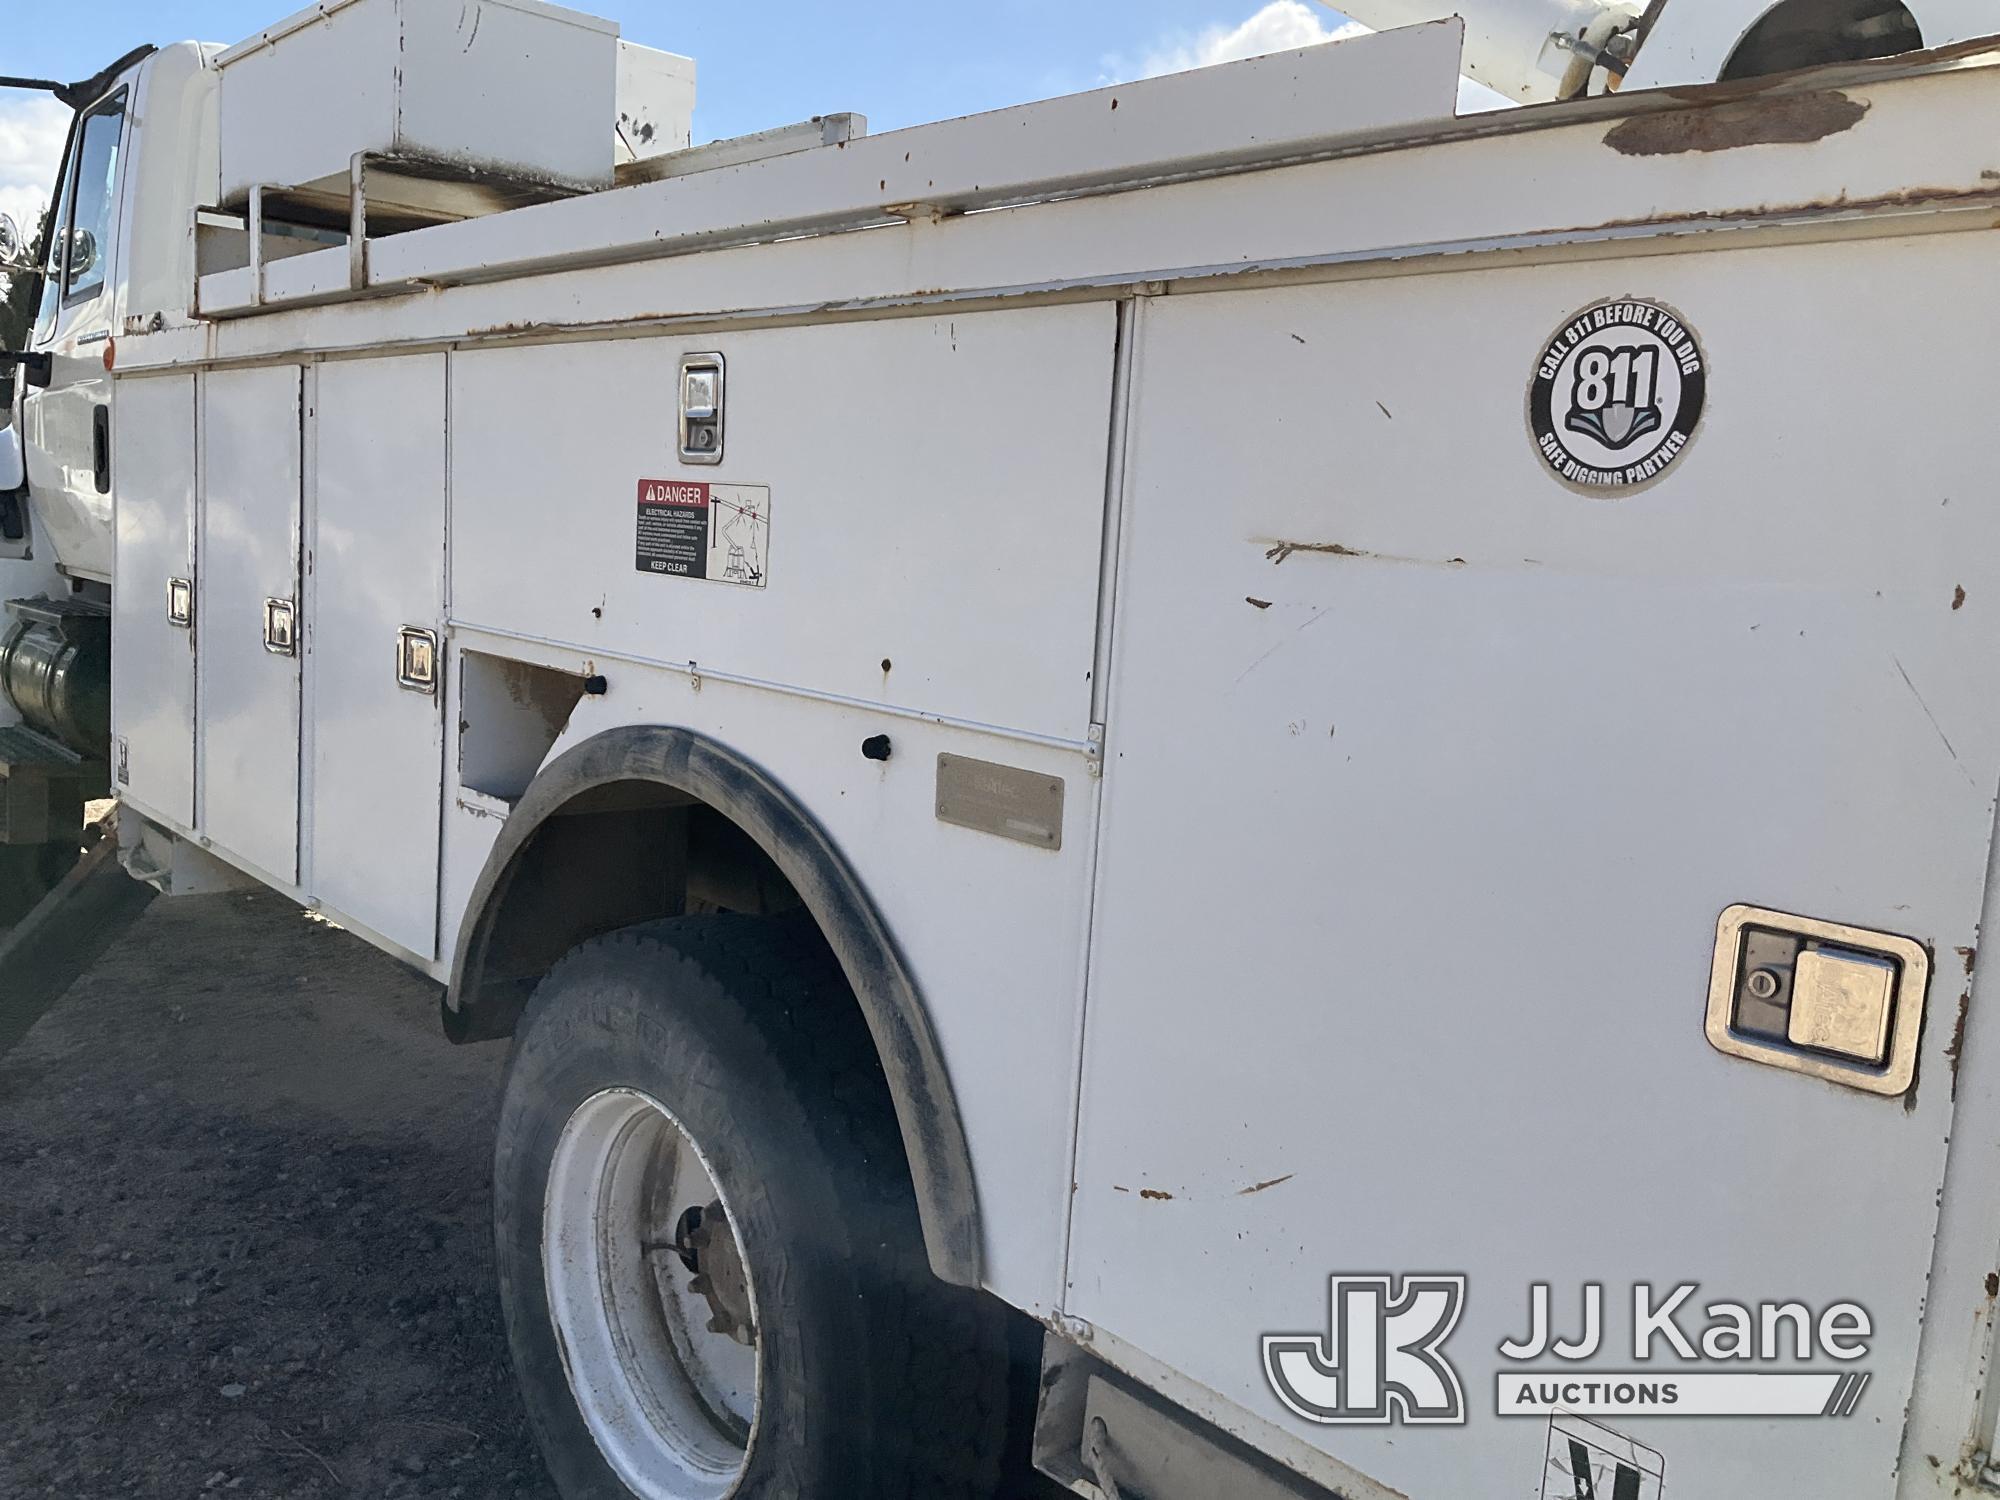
1910 212
1750 97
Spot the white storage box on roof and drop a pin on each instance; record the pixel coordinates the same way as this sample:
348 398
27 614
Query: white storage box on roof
514 88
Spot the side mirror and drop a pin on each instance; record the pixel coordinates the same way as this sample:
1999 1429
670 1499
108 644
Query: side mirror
13 249
82 257
13 468
37 370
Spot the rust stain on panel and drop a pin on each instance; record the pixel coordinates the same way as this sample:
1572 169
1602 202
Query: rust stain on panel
1279 553
1787 120
1284 550
1957 1047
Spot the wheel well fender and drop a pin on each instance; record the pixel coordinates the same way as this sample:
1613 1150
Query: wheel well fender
687 768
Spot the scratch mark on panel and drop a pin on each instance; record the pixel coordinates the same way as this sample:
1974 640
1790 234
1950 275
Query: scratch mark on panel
1267 1186
1942 736
1282 644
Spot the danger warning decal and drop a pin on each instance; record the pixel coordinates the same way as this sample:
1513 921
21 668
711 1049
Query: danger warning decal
1617 397
721 532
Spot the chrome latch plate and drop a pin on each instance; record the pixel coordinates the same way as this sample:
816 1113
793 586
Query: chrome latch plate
417 660
281 636
701 384
1839 1003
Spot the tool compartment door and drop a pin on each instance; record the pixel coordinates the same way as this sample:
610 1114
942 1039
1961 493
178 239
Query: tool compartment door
1428 779
152 689
247 692
378 569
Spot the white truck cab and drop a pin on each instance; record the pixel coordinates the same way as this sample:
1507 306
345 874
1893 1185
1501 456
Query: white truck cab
1226 787
122 255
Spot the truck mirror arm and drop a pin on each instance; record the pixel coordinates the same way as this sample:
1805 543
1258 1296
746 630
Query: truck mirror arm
36 369
84 91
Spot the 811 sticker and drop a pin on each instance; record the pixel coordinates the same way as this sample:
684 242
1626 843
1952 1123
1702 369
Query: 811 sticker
720 532
1618 396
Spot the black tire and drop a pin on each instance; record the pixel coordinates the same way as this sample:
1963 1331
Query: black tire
876 1379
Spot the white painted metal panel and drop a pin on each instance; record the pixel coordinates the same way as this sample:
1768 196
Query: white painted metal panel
1414 845
936 492
378 566
152 681
248 697
1288 105
418 78
656 95
1399 205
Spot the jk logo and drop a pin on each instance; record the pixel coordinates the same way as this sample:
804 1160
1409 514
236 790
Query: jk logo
1383 1362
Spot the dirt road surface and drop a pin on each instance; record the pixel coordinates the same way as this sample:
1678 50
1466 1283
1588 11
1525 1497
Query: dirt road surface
244 1228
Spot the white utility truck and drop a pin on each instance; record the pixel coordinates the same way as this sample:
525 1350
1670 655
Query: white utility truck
1232 787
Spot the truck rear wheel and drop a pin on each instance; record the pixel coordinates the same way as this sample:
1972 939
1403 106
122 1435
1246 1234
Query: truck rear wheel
710 1262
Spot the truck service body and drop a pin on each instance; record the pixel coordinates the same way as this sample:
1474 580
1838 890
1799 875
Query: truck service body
1385 715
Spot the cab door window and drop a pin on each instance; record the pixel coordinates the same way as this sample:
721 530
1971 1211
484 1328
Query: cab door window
86 246
52 252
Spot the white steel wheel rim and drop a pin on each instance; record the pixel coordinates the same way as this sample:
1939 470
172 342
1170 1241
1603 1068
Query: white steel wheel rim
671 1404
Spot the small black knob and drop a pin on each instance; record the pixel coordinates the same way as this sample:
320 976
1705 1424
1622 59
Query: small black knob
596 687
877 747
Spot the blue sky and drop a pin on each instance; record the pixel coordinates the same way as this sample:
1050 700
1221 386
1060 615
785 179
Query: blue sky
900 62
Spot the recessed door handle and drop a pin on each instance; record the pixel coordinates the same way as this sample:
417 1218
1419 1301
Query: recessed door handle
100 447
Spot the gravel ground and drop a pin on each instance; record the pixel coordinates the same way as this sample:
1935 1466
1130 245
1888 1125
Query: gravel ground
244 1227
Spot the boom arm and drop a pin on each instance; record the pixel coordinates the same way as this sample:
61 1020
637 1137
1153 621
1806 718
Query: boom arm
1535 51
1532 51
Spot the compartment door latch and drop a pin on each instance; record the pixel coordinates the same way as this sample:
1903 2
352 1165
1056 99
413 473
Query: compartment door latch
702 380
1838 1003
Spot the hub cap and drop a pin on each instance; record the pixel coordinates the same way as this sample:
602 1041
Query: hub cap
652 1300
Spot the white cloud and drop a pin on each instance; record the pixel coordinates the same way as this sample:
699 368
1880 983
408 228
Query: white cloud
1280 26
32 130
